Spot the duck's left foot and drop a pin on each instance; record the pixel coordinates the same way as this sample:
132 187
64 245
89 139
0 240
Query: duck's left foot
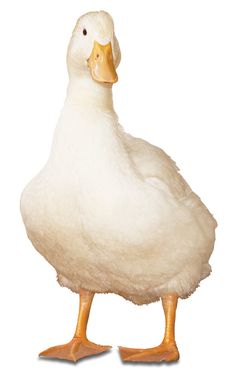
76 349
165 352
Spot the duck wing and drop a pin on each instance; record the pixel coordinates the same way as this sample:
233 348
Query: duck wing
156 167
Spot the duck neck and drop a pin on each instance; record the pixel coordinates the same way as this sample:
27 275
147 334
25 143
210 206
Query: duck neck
84 92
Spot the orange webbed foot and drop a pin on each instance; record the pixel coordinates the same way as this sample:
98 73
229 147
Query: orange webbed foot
76 349
164 352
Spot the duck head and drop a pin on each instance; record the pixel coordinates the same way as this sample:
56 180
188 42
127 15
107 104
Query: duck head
94 49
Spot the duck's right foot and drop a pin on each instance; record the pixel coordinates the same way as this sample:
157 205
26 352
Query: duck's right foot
76 349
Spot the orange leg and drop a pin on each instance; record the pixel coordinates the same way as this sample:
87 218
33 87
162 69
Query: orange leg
79 346
167 350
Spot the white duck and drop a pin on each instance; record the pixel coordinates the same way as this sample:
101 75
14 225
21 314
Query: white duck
109 211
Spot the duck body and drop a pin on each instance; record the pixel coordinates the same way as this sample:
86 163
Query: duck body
111 212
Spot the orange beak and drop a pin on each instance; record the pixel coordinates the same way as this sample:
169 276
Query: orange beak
101 64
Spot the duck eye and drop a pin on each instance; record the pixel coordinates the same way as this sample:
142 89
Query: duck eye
84 32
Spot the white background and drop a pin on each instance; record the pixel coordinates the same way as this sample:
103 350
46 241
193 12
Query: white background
177 89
